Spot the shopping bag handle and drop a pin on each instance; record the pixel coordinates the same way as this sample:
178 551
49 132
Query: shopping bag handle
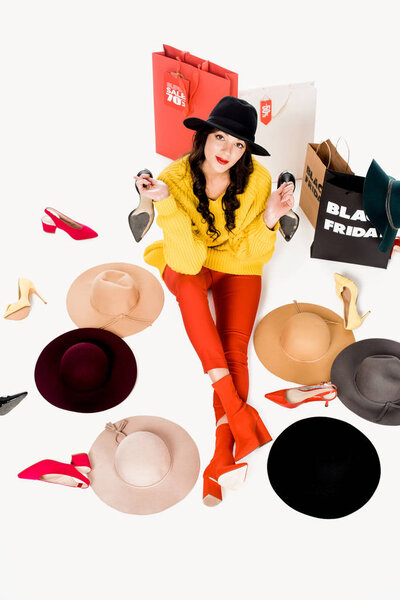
348 149
284 105
329 152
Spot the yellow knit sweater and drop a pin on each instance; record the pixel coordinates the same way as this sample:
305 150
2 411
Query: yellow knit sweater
187 247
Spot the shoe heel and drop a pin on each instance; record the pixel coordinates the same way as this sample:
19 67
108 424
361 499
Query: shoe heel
34 291
48 228
262 433
212 493
260 437
365 316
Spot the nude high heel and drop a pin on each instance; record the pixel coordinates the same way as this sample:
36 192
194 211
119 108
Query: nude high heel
347 291
142 217
20 309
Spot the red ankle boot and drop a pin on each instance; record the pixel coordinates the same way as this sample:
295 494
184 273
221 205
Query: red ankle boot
222 470
244 421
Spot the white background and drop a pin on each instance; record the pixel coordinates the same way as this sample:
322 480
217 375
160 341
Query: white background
76 124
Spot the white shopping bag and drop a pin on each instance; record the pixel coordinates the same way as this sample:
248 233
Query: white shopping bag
286 123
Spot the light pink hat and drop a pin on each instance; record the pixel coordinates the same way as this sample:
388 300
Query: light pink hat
119 297
143 465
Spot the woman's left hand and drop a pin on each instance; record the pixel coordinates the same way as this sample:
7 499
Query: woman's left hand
279 203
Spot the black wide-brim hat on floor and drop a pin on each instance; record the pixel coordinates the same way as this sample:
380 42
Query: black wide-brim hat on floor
86 370
367 376
234 116
323 467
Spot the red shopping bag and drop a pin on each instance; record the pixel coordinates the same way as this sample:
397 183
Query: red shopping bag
185 85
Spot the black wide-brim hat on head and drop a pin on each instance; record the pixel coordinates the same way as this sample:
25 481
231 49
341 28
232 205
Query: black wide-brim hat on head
234 116
86 370
323 467
367 376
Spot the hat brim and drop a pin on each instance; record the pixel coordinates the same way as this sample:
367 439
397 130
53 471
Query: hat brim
344 370
196 124
119 384
151 301
323 467
374 201
270 352
115 492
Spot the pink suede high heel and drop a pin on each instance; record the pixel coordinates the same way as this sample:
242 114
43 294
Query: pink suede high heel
53 471
55 219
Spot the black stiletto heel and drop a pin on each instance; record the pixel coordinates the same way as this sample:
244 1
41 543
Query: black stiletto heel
142 217
289 223
7 403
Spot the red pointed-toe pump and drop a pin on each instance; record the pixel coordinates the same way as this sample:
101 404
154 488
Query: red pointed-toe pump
293 397
55 472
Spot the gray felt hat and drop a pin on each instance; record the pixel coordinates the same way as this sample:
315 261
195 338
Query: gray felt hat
367 376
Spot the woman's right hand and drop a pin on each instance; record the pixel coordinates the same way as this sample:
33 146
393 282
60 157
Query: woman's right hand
152 188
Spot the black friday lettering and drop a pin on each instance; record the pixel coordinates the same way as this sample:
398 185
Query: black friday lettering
350 230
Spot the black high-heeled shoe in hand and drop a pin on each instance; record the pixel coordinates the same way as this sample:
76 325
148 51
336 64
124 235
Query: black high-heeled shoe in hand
7 403
142 217
289 223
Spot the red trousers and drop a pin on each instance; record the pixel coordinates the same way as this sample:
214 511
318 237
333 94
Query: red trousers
220 344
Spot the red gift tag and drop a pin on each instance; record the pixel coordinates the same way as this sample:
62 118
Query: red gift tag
176 90
266 111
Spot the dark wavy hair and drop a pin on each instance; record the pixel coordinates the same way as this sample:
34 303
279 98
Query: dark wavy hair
239 175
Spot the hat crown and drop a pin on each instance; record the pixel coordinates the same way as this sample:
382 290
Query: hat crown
305 337
84 367
235 114
113 292
378 378
142 459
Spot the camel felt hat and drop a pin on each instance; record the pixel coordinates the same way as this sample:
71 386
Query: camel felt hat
367 375
86 370
119 297
323 467
143 465
299 342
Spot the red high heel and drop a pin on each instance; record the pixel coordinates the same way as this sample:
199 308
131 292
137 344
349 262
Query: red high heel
76 230
293 397
55 472
222 469
81 462
244 421
395 247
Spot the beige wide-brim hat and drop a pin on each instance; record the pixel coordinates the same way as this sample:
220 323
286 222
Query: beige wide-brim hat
299 342
143 465
119 297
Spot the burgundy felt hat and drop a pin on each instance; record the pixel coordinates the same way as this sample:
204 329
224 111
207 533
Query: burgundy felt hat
86 370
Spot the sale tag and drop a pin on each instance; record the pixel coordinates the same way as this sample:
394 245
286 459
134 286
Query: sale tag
176 90
266 111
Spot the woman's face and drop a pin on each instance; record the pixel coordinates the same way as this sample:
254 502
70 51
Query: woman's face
222 151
